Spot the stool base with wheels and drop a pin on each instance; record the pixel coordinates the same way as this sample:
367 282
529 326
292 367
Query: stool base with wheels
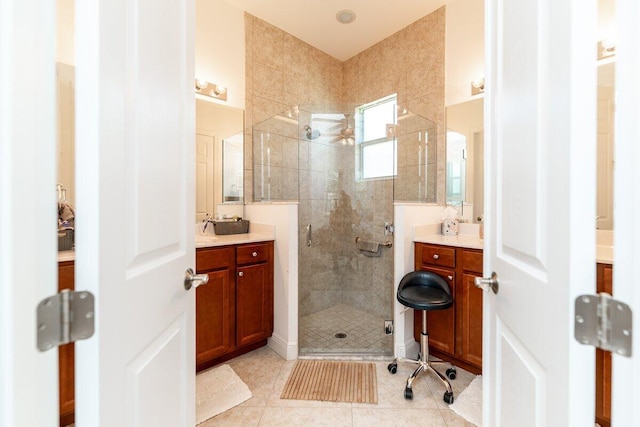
423 290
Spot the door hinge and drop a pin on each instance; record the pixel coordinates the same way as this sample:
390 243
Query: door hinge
65 317
603 322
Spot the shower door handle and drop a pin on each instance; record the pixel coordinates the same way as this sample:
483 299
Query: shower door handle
309 235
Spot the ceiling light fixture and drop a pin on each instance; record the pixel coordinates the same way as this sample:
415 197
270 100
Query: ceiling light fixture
346 16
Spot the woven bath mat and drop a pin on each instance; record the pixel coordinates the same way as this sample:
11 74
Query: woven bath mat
332 381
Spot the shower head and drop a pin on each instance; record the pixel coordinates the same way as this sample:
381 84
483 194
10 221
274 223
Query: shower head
310 133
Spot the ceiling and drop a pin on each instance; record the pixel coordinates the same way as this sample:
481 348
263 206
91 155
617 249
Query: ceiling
314 21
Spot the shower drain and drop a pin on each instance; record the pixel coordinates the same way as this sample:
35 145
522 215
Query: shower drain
340 335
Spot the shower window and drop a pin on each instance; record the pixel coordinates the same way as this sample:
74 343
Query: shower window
376 148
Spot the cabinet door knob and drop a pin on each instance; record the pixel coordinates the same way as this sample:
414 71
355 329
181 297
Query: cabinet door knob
254 254
436 256
450 277
241 273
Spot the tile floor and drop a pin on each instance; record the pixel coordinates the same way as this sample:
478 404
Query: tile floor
364 332
266 373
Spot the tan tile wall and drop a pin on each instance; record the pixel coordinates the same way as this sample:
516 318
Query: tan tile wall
411 64
282 71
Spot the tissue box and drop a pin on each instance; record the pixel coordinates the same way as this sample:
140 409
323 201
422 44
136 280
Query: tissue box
65 240
450 227
231 227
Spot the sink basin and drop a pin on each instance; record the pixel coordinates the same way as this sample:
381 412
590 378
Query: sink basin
206 238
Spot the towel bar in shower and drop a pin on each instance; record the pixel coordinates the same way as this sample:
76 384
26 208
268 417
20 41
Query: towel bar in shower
386 244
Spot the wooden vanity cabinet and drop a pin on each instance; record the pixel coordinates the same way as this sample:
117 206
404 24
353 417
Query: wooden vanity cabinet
66 360
604 283
234 311
455 334
213 303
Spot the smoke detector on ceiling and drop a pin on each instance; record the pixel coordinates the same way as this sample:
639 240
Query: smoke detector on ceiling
346 16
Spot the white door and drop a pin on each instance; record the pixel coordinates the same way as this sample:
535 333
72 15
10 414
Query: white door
540 210
626 371
28 378
135 211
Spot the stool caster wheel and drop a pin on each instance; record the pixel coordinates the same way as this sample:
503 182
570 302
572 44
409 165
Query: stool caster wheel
392 367
451 373
408 394
448 397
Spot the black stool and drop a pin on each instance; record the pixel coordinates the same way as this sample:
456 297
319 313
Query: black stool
423 290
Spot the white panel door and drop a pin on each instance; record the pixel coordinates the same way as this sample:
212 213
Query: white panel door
135 211
540 204
626 371
28 263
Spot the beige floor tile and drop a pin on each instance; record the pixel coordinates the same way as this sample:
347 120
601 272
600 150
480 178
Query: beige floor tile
454 420
320 417
238 416
388 417
391 389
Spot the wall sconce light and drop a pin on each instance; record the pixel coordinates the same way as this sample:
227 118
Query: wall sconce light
606 48
477 86
211 89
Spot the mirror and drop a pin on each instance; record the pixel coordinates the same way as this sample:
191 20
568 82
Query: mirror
219 160
605 161
65 118
465 158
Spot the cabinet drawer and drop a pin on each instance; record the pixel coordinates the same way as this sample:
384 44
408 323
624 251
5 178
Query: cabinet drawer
214 258
472 261
250 254
437 255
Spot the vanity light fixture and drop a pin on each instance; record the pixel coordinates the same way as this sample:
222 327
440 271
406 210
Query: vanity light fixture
477 86
211 89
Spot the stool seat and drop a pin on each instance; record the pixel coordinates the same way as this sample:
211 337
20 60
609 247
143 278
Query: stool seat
423 290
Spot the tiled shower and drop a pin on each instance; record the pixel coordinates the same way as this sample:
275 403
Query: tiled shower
304 154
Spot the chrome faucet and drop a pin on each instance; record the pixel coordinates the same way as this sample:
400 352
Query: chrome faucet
206 221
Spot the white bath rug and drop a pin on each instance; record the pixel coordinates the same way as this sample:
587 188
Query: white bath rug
218 390
469 403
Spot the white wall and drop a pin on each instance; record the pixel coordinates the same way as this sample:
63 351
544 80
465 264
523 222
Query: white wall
464 49
219 48
285 318
407 216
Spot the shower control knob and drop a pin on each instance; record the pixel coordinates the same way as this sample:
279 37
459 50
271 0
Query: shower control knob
436 256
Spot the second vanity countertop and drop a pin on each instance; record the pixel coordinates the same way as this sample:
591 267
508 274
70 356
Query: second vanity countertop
470 238
430 233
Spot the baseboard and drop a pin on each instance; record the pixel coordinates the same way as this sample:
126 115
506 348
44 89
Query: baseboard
408 350
286 350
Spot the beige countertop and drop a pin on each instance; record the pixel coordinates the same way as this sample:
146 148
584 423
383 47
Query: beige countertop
230 239
461 240
604 254
261 233
467 238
